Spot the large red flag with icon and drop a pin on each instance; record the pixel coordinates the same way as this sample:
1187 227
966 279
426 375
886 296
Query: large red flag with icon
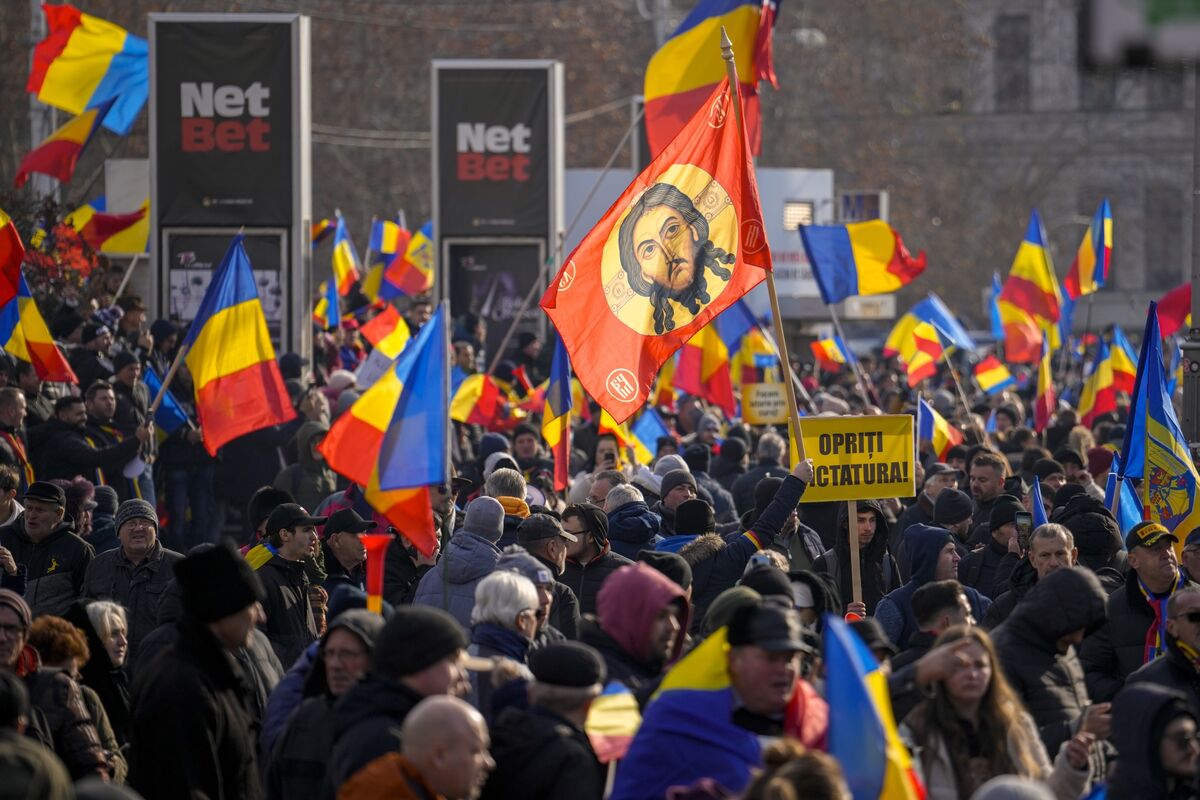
684 242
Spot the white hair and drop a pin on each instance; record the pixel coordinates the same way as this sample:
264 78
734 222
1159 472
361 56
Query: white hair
771 446
104 614
505 482
501 597
622 495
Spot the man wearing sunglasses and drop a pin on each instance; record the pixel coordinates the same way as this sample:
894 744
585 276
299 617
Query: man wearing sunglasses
1179 669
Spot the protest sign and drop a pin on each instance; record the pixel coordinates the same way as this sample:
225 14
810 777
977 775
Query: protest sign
764 403
859 458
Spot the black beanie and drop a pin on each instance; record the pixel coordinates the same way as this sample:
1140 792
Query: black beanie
764 492
263 503
951 507
1066 492
697 457
414 638
1045 467
733 449
769 581
673 565
694 517
217 583
1004 511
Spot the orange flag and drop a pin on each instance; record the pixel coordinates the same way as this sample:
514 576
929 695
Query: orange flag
683 243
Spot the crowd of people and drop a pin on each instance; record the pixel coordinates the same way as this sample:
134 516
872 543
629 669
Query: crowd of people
177 625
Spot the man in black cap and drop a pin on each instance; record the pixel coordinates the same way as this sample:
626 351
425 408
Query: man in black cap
289 624
978 569
677 487
1135 632
544 538
191 733
420 652
543 753
345 555
63 449
763 663
43 542
589 557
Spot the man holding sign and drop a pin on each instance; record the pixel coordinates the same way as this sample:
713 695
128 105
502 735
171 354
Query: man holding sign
860 460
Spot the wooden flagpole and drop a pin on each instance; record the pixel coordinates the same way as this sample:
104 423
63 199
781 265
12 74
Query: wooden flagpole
776 316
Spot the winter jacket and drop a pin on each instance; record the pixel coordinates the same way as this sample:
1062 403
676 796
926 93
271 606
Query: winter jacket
1139 714
109 683
489 640
1021 580
31 769
193 733
878 569
54 567
1051 683
74 736
290 625
564 605
1173 671
743 487
104 436
309 480
542 756
932 761
726 472
718 563
621 666
1118 648
140 587
366 725
63 451
894 612
633 527
450 585
722 500
117 765
919 644
1096 531
104 533
286 697
336 575
389 777
585 580
401 575
296 769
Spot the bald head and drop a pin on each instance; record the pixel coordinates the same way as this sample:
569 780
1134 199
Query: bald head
446 739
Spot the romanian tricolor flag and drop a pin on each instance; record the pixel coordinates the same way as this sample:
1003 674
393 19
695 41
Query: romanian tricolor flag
1098 396
1175 309
112 233
862 732
345 258
703 369
556 419
1155 449
935 312
394 440
411 272
58 154
1045 401
664 394
478 401
328 311
656 270
832 354
1031 302
85 62
921 352
933 427
388 334
612 720
992 376
642 435
322 230
239 388
23 332
858 258
388 241
681 75
1090 268
1124 360
757 361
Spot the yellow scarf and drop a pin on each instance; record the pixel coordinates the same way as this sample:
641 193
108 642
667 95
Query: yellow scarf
514 506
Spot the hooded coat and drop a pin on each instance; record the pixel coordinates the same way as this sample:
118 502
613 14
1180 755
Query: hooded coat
631 528
1173 671
1096 531
1140 714
895 611
450 585
1020 581
309 480
877 567
98 674
1051 682
1118 648
541 756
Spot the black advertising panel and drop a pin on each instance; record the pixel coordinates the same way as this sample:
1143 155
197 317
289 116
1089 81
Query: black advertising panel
223 118
493 144
492 280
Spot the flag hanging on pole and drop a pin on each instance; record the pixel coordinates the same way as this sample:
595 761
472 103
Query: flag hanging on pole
556 420
1089 270
682 243
58 154
1031 301
1045 401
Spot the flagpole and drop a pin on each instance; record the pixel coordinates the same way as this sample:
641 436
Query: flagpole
776 315
962 396
791 373
128 274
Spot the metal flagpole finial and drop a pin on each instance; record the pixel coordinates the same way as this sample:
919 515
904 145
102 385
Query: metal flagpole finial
726 45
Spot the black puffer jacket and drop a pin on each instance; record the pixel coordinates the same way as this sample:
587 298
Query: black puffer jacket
879 572
1139 715
290 625
366 724
541 756
1096 531
1116 650
585 580
1022 579
54 567
1174 671
1051 682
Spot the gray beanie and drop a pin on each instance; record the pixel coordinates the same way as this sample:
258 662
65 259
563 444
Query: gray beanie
485 517
135 509
674 478
670 463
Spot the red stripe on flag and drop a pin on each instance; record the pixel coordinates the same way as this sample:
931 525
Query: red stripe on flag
61 21
241 402
1028 296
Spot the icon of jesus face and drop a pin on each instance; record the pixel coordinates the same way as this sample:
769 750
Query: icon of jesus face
667 249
